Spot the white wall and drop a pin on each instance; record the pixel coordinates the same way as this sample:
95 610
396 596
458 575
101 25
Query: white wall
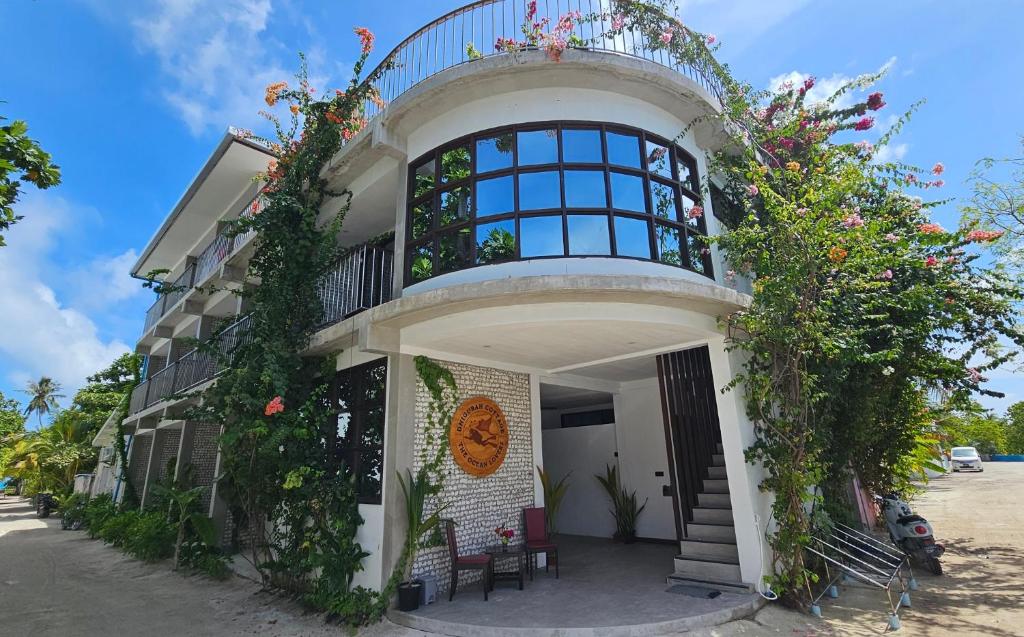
584 451
640 432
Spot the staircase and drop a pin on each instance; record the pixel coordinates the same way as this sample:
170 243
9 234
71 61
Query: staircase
708 556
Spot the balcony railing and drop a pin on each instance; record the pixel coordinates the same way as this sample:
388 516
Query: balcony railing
209 259
444 43
361 280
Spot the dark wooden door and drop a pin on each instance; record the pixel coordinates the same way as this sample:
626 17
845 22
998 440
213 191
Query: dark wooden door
692 431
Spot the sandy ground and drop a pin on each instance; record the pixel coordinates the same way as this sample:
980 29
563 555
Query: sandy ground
55 582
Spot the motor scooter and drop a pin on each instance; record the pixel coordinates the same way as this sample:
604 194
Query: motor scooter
910 532
45 502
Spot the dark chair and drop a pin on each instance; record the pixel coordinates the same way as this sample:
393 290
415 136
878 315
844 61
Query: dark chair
535 528
479 562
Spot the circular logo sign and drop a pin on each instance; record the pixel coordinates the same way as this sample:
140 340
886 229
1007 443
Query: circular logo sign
479 436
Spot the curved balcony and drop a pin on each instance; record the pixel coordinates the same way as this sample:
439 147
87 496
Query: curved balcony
471 32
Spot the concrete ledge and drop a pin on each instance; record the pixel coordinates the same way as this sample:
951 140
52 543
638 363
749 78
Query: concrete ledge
670 627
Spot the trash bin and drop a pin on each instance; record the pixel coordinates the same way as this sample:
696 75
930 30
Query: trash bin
428 592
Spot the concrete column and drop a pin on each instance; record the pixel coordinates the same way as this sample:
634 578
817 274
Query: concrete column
185 446
153 464
399 445
156 363
537 442
400 216
750 507
218 507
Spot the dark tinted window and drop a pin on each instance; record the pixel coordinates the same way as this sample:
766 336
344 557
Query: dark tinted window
359 395
494 153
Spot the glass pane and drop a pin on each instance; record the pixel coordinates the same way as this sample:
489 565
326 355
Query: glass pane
372 433
494 153
687 172
698 250
374 377
422 218
455 164
421 262
693 219
371 465
540 236
425 179
343 391
659 161
663 199
538 147
454 250
628 192
538 191
455 205
667 240
585 189
496 241
494 196
588 234
623 150
344 420
632 238
581 146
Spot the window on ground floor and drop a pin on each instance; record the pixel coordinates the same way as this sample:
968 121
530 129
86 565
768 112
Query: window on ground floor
359 397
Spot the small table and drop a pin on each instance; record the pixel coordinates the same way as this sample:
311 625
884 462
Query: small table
508 552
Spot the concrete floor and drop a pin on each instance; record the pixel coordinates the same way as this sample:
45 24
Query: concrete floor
604 585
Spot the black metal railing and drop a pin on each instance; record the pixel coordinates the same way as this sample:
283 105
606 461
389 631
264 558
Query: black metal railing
362 279
470 33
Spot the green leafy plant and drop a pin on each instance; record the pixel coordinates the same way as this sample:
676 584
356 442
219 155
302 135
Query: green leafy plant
185 516
21 160
624 504
73 510
554 493
417 489
97 511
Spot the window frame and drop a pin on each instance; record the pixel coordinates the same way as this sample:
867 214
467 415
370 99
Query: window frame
689 188
358 408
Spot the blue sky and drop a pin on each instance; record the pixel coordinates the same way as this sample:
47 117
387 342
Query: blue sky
131 98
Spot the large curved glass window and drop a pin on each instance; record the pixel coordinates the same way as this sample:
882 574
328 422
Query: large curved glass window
553 190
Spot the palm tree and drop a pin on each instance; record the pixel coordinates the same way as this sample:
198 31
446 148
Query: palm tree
44 397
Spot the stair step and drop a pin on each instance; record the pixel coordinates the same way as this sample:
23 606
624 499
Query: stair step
721 585
711 515
717 473
711 532
718 460
720 500
716 486
703 549
723 570
718 447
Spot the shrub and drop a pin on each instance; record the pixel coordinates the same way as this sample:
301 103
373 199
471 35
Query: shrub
72 511
204 558
150 537
97 512
117 528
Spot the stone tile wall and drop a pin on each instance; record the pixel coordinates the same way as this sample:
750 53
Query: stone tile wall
204 459
169 450
139 458
478 505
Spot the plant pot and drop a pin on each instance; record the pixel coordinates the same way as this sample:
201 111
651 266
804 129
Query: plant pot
409 596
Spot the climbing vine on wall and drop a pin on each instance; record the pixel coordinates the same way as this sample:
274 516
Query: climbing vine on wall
862 307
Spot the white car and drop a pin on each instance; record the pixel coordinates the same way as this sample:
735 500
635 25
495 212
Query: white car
965 459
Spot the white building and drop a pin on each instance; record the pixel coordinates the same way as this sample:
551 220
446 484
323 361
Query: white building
545 252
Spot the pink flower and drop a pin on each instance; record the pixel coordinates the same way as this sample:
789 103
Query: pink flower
931 262
730 275
974 374
711 39
891 238
875 101
887 275
865 146
696 212
752 190
864 123
853 221
618 22
938 183
938 168
911 178
666 37
275 406
930 228
809 83
984 235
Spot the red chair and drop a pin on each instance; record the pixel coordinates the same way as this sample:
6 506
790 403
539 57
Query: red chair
537 540
480 562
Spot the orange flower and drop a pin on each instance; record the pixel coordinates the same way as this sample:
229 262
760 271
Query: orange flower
294 108
931 228
366 38
275 406
837 254
333 117
273 91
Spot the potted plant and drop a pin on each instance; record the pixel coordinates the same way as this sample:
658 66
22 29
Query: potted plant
624 505
504 534
416 491
554 492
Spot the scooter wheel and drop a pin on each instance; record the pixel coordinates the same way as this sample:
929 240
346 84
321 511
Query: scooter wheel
934 565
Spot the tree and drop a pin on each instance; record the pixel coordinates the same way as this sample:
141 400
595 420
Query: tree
997 206
44 393
976 427
21 160
105 390
1015 428
12 420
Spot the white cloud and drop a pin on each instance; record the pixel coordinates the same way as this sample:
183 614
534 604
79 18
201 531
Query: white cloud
738 23
217 56
890 152
41 333
826 87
